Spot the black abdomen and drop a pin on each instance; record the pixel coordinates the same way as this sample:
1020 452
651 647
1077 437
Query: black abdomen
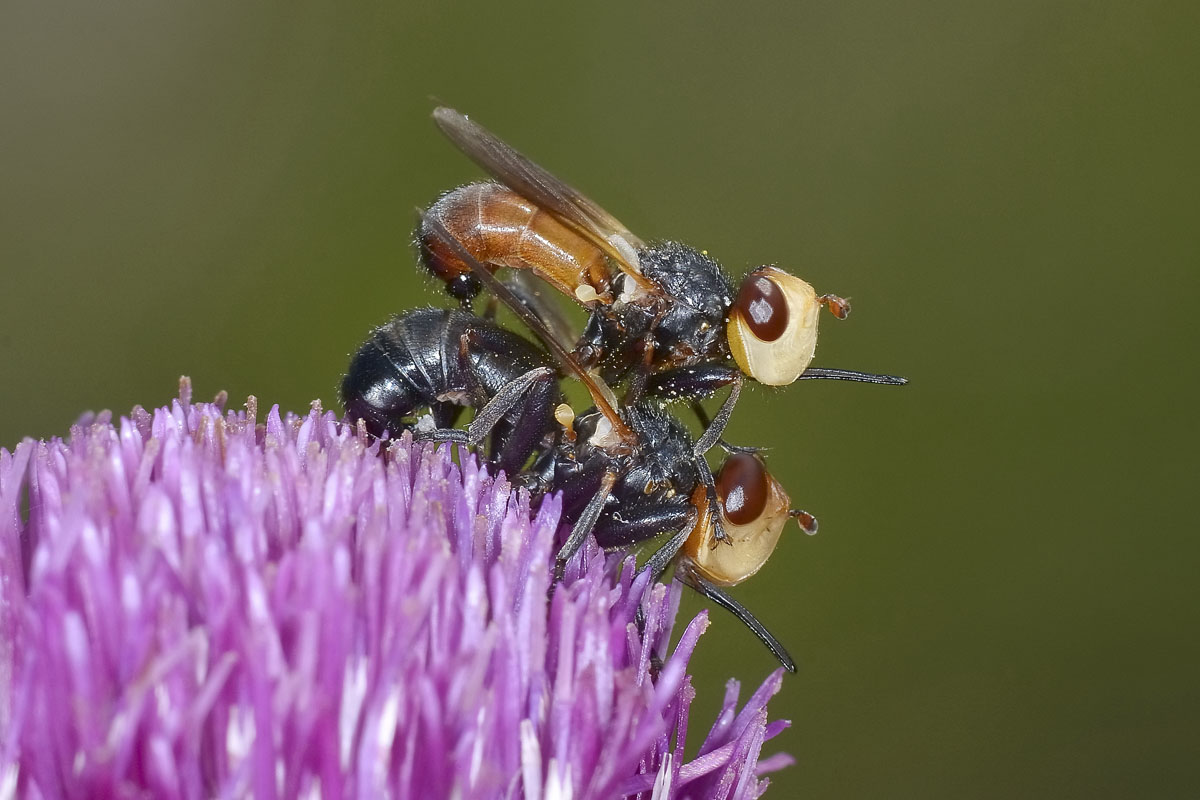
441 360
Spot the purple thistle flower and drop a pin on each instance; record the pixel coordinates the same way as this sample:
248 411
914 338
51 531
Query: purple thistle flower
199 606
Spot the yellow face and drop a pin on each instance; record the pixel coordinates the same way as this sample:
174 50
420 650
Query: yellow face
772 326
754 509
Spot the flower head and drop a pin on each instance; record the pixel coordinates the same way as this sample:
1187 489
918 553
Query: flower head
196 605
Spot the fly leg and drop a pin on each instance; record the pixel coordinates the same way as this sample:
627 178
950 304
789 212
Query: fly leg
695 384
717 427
710 437
705 421
583 525
639 523
493 412
714 503
527 426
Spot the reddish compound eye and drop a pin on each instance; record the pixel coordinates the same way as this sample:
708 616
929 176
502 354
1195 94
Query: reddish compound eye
763 306
754 510
772 326
743 489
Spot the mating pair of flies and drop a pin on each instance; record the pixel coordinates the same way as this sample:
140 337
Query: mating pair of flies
664 324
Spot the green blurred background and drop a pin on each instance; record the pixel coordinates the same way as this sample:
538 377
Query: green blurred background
1001 601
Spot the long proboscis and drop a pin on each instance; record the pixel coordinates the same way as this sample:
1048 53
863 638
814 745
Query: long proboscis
721 598
602 394
816 373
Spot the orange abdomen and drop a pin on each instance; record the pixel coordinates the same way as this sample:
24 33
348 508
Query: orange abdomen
502 229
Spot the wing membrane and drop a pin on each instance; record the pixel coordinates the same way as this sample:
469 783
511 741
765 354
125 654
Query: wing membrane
540 187
530 290
602 394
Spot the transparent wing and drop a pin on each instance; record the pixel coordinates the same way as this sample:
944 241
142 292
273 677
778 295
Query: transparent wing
602 395
531 291
543 189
